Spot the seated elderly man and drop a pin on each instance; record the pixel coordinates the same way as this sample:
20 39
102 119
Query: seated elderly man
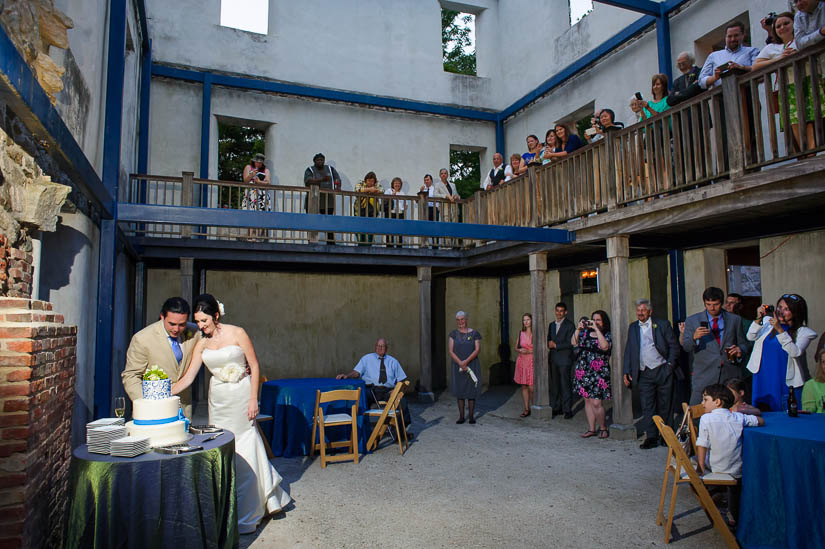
380 372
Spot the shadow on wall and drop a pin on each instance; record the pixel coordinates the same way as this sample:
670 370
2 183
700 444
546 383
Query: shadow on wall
69 242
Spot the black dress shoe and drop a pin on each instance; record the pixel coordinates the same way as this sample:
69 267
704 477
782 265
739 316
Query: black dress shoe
649 443
568 415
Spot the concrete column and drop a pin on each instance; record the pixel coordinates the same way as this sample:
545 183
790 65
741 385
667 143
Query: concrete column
538 305
37 246
618 252
186 278
425 345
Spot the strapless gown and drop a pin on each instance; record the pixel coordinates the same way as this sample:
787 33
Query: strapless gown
257 483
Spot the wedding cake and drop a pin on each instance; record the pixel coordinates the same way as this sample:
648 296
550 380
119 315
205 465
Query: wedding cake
158 415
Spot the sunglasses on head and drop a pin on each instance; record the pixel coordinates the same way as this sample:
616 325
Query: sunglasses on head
794 297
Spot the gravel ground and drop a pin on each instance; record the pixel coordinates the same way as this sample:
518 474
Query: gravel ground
505 481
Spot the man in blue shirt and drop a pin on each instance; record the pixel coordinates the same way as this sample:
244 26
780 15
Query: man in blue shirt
734 56
380 372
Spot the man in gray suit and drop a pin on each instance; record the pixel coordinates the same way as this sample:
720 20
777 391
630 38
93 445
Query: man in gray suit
559 341
649 358
717 342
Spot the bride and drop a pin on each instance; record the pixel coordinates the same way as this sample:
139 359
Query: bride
233 404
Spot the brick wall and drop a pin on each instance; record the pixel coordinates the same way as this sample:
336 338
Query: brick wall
15 270
37 370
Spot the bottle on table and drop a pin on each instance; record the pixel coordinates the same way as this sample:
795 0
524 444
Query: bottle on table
793 407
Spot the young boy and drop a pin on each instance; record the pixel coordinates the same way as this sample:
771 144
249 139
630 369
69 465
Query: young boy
719 442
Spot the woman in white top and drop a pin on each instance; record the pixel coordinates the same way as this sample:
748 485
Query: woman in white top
778 358
394 209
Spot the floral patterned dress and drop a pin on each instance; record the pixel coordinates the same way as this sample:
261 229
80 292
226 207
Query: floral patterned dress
591 377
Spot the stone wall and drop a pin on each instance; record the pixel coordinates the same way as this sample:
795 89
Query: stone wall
15 270
37 363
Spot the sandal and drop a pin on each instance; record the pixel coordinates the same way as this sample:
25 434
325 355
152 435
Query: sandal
525 413
588 434
604 433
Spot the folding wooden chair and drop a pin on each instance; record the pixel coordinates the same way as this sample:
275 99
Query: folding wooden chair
696 411
320 422
390 414
260 418
683 472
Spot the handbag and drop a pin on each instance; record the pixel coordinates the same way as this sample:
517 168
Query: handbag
683 434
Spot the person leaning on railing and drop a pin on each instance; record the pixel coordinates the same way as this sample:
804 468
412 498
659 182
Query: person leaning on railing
659 104
687 85
809 23
734 56
783 26
256 173
498 174
550 144
367 206
532 156
327 178
394 208
566 142
517 166
604 122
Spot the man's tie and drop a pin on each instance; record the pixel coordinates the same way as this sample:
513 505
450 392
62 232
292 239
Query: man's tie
176 349
715 329
382 376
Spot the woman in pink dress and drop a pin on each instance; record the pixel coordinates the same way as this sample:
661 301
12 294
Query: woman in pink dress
524 362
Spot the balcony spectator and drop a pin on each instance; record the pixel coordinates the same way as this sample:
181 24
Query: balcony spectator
603 123
452 192
783 25
767 26
550 144
813 392
394 208
327 178
566 142
687 85
517 166
658 88
367 206
636 108
734 56
498 174
256 173
778 360
809 23
433 191
533 155
591 379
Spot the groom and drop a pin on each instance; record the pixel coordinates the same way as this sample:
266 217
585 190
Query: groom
167 343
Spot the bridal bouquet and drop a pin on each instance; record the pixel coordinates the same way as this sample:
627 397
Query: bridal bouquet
232 373
154 373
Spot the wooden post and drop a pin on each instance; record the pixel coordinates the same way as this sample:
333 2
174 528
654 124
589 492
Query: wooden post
425 341
187 193
423 215
618 252
314 207
610 171
538 305
186 278
733 124
531 193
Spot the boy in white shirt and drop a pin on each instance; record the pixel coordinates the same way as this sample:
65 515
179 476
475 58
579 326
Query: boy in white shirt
719 442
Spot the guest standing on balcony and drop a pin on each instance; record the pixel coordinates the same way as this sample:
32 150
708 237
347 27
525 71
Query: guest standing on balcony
498 174
566 142
452 192
524 362
550 144
533 154
778 361
809 23
394 208
465 370
604 122
517 166
327 178
687 85
367 206
256 173
658 88
591 376
734 56
433 190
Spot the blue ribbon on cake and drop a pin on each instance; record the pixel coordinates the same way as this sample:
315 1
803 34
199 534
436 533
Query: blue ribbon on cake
179 417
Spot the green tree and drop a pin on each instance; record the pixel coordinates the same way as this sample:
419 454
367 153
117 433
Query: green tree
465 170
236 146
455 36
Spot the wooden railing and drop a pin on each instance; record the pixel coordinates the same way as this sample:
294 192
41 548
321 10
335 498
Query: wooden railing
745 124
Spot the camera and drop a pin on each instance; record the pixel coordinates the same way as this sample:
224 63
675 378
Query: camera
639 96
770 19
590 132
261 176
769 310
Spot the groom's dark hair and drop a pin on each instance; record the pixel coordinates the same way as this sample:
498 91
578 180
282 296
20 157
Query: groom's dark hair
175 305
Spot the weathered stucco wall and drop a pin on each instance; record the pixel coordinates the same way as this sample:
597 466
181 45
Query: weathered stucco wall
704 267
161 284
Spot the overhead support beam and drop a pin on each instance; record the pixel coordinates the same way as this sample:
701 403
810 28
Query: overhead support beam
647 7
176 215
500 144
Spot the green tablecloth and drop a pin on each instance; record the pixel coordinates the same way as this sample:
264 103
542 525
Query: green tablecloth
154 500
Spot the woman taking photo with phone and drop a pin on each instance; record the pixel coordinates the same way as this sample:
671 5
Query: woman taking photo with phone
591 377
778 358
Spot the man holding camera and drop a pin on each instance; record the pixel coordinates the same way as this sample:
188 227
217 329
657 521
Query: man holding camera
717 341
734 56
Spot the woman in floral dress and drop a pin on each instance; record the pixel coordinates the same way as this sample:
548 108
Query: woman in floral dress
591 377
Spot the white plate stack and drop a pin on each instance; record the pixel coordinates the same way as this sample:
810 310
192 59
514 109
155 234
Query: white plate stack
130 446
99 439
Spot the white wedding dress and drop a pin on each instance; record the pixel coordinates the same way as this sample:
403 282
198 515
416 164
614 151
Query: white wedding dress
257 483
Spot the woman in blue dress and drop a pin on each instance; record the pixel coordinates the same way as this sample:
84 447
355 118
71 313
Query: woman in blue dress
778 358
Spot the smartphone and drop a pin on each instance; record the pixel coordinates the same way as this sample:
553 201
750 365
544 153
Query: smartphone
724 66
639 96
704 324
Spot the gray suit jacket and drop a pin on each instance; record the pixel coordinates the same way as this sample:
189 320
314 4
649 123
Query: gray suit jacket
562 355
710 362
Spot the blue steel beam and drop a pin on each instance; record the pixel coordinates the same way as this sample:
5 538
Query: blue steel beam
241 82
663 47
21 91
206 112
647 7
176 215
677 286
143 123
104 335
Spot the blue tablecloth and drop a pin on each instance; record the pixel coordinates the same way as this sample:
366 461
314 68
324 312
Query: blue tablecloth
291 403
783 483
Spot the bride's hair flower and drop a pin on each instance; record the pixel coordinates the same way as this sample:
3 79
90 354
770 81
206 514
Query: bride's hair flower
221 308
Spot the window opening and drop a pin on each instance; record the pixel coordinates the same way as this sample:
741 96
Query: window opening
458 46
246 15
578 9
465 170
236 146
590 281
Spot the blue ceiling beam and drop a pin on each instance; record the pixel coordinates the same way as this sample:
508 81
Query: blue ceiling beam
176 215
646 7
241 82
